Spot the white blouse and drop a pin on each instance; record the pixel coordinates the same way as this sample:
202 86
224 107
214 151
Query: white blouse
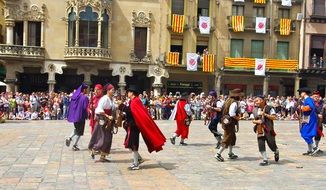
105 103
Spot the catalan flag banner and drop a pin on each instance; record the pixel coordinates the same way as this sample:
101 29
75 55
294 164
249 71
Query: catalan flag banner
238 23
172 58
208 63
260 1
178 23
285 26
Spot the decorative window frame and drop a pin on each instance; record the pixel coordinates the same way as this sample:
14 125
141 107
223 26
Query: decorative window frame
140 19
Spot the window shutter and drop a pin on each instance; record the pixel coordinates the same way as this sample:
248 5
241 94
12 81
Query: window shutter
140 42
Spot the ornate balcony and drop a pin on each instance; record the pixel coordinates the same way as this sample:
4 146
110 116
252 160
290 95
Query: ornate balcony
249 23
271 64
88 53
18 51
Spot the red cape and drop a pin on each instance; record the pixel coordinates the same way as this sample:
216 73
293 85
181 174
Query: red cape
152 135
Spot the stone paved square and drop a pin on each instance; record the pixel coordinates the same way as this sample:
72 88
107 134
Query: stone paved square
34 156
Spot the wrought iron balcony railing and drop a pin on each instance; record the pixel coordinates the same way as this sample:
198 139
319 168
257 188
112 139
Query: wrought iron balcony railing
249 23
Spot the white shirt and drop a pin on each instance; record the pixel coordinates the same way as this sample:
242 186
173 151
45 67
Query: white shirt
233 109
105 103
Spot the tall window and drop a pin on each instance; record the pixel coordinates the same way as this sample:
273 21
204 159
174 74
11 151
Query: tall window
203 8
34 33
318 47
105 30
282 50
259 12
71 28
18 33
257 49
236 48
178 7
319 7
88 26
283 13
177 48
140 42
238 10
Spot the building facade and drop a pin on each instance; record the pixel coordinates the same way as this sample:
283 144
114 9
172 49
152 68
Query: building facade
130 42
313 71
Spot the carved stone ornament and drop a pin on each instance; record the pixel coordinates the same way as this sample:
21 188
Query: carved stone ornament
100 5
135 59
34 13
121 70
140 19
51 67
157 72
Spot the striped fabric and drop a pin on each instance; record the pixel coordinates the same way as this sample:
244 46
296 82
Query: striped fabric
178 23
238 23
285 26
209 63
260 1
172 58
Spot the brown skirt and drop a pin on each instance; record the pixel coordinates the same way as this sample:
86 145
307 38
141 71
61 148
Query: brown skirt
229 137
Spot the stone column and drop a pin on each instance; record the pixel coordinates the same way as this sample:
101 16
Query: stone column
42 34
87 79
148 46
157 89
25 34
109 33
218 84
265 85
77 32
10 85
122 86
99 31
296 85
10 23
51 81
133 39
67 32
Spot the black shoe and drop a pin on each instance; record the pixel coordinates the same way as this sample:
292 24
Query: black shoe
277 156
75 148
172 139
233 156
308 153
183 144
68 141
219 157
218 145
264 163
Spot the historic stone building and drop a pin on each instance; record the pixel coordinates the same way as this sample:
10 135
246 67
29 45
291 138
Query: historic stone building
313 70
59 44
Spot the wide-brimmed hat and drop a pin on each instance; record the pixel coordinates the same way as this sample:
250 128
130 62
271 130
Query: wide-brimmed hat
236 93
305 89
134 89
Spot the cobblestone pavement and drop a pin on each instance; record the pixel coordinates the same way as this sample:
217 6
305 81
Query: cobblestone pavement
33 155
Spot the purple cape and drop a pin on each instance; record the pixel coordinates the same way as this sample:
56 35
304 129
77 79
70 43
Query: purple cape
78 106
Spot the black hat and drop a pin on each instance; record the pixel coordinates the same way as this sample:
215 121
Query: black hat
305 89
134 89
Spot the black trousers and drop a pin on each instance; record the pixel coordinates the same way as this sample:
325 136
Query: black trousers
80 127
270 139
213 126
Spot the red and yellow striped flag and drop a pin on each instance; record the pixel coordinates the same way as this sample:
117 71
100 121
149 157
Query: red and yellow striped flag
285 26
209 63
178 23
172 58
238 23
260 1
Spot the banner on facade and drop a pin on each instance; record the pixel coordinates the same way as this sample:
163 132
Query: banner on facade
261 25
192 61
285 26
260 67
204 24
172 58
287 3
208 63
178 23
238 0
237 23
260 1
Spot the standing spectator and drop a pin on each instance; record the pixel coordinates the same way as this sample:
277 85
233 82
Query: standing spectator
33 101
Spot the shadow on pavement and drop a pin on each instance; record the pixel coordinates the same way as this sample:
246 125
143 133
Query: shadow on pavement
248 158
166 166
200 144
284 162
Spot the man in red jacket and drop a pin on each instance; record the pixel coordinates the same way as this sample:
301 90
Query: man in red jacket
182 114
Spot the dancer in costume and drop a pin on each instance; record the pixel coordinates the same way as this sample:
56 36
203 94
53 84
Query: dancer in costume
319 104
101 139
138 120
182 114
264 127
95 98
77 114
308 121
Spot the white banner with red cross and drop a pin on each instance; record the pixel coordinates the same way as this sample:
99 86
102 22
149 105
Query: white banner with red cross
260 67
192 61
204 24
261 25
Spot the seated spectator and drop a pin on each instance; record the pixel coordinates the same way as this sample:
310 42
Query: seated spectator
34 116
20 115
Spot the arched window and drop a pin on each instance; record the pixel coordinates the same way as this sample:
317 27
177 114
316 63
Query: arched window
71 28
88 28
105 30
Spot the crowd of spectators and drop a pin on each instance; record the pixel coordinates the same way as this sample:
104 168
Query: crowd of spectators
54 106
